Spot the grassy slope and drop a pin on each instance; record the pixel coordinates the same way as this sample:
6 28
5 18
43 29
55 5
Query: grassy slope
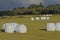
35 31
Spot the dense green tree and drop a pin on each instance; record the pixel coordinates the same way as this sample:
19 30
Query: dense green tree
32 10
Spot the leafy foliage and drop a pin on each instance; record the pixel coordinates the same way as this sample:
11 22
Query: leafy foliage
32 10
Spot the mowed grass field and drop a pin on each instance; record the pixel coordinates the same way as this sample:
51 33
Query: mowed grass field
36 29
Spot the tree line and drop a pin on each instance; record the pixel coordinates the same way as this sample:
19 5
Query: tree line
32 10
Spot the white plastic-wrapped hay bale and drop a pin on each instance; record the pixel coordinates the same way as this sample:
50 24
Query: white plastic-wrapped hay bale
47 18
37 18
50 15
50 27
0 17
57 26
14 25
4 16
21 28
47 15
32 19
4 25
8 16
43 18
44 15
9 27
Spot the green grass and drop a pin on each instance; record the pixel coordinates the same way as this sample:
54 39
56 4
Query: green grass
35 31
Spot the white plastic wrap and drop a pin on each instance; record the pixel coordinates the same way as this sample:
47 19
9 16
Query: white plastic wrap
44 15
4 26
50 15
50 27
37 18
14 25
47 15
32 19
57 26
47 18
21 28
9 27
43 18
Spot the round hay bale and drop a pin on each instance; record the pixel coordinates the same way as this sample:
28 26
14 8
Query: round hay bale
37 18
21 28
14 25
44 15
50 27
0 17
57 26
43 18
47 15
50 15
32 19
8 16
4 16
9 27
47 18
4 25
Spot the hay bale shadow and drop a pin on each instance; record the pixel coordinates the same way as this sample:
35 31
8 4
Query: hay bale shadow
43 29
2 30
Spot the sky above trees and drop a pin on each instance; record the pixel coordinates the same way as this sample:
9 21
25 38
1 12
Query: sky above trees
10 4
